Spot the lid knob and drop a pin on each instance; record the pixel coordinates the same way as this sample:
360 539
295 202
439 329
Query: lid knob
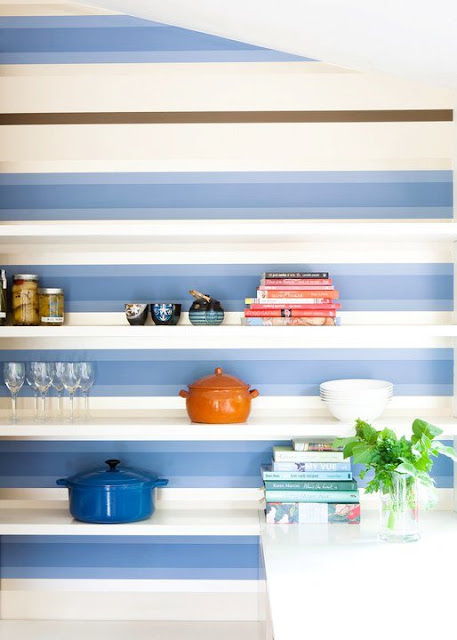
218 371
112 464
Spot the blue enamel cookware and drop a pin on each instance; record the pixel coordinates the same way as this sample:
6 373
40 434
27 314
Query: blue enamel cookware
112 494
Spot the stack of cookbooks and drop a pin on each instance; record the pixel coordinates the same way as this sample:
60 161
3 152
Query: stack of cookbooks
310 482
293 298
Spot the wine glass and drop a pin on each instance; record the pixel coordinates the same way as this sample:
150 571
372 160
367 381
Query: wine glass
42 375
71 375
30 379
87 379
14 376
57 369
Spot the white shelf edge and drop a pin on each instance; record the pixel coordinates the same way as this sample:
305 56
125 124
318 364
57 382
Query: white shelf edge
177 429
56 520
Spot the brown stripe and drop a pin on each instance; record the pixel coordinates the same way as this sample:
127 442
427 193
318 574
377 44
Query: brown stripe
213 117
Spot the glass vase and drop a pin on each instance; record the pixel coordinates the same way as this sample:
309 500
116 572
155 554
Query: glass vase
399 509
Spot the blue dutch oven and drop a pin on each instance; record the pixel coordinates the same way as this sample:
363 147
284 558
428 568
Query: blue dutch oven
112 495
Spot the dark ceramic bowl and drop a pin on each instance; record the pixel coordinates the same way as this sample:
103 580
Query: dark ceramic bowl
136 313
165 313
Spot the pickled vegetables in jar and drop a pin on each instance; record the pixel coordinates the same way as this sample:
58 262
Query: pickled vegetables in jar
24 300
51 305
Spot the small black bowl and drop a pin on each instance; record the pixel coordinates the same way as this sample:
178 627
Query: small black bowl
136 312
165 312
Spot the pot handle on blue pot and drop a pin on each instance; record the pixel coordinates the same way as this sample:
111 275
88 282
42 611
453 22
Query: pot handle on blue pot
161 482
62 482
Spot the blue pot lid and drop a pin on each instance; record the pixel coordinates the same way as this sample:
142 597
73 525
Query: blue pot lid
113 475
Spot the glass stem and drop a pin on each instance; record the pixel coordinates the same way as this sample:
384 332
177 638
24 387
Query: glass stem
71 406
60 401
43 406
86 404
13 406
36 405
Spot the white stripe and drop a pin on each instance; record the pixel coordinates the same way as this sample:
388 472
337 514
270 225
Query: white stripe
49 8
119 630
171 408
208 87
80 605
132 586
225 337
237 253
226 147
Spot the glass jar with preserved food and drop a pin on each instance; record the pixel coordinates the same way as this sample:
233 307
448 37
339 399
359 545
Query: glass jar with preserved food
24 298
51 306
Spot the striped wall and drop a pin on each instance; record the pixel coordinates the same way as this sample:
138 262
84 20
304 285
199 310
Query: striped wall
107 117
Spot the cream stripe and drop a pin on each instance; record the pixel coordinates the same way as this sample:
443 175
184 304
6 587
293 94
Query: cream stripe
225 147
244 253
191 88
135 586
49 8
78 605
178 70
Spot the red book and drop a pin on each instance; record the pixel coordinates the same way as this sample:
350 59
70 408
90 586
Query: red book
296 282
288 287
299 293
305 307
289 313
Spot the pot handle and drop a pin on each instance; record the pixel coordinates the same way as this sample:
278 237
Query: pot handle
161 482
184 394
62 482
253 393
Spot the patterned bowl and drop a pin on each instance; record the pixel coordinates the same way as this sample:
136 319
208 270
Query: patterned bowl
165 313
136 312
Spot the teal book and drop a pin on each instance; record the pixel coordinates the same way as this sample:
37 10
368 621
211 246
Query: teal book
340 497
288 454
323 485
305 476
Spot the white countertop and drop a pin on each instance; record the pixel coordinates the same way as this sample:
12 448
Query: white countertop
338 582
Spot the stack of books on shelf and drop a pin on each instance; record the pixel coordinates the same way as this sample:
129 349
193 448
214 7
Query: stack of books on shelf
310 483
293 298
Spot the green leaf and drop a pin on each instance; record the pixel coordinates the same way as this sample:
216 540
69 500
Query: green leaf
388 434
362 453
407 468
421 427
439 447
349 448
370 435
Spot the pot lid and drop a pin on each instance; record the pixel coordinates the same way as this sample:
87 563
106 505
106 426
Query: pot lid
112 475
219 380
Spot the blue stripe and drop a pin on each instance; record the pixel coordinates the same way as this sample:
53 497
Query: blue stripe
156 559
72 39
259 213
226 191
277 375
103 288
186 464
222 177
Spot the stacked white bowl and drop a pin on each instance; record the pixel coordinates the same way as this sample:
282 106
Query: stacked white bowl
348 400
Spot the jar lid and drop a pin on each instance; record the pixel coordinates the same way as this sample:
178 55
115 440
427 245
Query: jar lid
50 291
219 380
25 276
113 475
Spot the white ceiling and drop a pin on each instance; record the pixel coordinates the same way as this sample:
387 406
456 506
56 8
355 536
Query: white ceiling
416 39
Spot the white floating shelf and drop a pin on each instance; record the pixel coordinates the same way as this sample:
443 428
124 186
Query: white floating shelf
227 337
40 518
282 427
208 231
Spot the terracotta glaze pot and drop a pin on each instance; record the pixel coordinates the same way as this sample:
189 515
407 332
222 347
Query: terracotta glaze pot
219 399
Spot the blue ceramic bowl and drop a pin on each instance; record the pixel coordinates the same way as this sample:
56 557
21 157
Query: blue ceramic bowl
165 313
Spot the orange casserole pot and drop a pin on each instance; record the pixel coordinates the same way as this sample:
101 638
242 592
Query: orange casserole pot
219 399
